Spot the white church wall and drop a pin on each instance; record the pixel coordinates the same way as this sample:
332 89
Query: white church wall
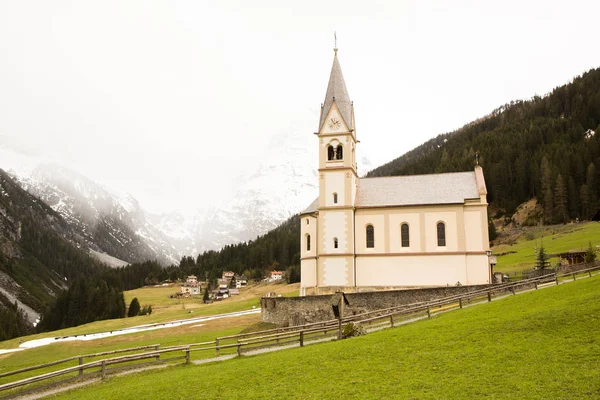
478 270
335 225
334 183
473 231
431 221
309 228
308 272
414 232
376 219
335 271
432 270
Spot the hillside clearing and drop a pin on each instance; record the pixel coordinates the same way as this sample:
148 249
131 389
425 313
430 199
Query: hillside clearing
541 344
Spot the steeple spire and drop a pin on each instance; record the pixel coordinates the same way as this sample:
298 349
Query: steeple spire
337 93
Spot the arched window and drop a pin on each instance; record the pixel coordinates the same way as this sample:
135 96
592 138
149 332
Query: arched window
330 153
335 198
370 237
307 242
441 234
307 221
339 152
404 235
335 243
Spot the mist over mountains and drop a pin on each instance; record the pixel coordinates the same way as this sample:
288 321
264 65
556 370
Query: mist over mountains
113 223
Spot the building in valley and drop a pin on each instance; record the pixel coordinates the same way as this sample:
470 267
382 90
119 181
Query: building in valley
365 234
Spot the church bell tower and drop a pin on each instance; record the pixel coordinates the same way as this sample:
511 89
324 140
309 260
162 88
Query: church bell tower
338 180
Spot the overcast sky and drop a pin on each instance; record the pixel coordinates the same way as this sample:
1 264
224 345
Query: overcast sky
170 99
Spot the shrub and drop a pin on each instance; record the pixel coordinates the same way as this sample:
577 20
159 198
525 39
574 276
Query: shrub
134 308
353 329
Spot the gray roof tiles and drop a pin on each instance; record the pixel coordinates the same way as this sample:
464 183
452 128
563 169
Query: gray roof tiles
413 190
336 89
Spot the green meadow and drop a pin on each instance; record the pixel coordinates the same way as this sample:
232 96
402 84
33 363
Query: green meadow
541 344
521 255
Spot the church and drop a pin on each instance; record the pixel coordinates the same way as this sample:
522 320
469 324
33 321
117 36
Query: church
365 234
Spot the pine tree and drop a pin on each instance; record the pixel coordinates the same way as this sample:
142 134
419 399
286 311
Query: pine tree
542 262
584 201
547 190
134 308
560 200
590 181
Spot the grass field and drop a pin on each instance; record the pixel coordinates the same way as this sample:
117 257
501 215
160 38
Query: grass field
555 239
538 345
166 309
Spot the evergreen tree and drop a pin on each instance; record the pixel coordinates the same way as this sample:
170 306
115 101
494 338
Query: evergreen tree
134 308
547 198
560 200
590 254
541 261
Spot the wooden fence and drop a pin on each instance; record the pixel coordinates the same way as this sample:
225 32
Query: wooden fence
291 336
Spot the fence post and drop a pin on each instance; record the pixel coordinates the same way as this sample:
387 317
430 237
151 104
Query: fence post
80 363
392 321
512 289
590 271
556 280
489 296
536 285
239 349
460 302
574 276
187 355
103 369
340 328
158 355
301 338
428 312
217 346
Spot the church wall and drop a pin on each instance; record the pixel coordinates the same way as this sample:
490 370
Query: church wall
473 230
417 270
396 219
449 218
309 228
336 224
334 182
336 271
308 272
478 270
377 219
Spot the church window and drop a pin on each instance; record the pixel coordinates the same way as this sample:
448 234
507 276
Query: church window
330 153
335 198
441 234
335 243
370 237
404 235
307 221
307 242
339 153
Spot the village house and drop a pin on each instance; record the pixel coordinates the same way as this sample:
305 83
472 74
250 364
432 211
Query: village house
276 276
364 234
240 281
191 286
227 275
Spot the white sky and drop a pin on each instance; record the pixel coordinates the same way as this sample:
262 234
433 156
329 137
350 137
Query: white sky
171 100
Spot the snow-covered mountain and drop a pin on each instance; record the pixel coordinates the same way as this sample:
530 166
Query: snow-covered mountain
109 223
283 184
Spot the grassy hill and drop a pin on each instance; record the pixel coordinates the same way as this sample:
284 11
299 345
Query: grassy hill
520 252
537 345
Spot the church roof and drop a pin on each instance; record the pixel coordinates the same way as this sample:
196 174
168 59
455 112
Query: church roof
413 190
337 92
449 188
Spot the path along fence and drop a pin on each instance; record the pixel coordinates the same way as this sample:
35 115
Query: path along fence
290 336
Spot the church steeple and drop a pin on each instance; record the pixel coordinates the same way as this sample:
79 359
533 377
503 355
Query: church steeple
338 94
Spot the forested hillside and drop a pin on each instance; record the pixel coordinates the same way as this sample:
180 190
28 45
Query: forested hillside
547 147
39 259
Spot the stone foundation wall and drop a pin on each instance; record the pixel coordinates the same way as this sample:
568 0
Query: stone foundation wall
292 311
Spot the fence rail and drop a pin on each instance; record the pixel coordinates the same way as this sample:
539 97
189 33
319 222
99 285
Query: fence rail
302 334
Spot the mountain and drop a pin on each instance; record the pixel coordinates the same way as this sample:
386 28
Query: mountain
108 223
546 147
39 254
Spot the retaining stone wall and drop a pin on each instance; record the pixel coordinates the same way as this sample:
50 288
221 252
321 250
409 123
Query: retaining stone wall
293 311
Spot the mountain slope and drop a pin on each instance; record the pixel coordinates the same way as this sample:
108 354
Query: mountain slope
546 147
109 224
39 252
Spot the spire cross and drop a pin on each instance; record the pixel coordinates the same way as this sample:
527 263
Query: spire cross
335 42
477 158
